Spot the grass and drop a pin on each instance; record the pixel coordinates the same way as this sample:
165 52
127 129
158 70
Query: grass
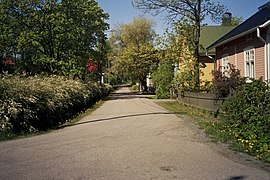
179 108
10 135
205 119
213 126
79 116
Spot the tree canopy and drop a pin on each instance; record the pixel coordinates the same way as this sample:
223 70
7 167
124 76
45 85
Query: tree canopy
192 12
51 36
133 52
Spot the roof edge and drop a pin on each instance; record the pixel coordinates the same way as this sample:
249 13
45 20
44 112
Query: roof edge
265 24
232 38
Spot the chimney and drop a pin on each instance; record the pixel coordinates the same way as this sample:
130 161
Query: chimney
226 19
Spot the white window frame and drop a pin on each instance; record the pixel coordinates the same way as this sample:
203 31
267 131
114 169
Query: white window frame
225 65
249 62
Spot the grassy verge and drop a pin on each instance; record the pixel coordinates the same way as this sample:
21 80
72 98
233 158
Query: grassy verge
178 108
214 128
31 104
79 116
76 118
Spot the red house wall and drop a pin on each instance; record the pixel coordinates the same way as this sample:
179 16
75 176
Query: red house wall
235 51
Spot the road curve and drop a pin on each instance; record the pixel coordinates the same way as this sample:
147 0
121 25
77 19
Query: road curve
128 137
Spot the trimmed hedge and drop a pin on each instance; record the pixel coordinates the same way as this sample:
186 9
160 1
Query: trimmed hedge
39 103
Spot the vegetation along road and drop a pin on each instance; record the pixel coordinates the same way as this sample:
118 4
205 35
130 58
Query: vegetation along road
128 137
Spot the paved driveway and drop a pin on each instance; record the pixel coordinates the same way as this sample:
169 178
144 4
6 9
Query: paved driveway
127 138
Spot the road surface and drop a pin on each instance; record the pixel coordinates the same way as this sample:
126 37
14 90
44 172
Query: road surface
128 137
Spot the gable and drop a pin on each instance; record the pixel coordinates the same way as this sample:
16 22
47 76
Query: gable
251 24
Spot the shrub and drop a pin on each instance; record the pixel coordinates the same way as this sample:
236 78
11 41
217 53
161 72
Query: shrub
134 88
224 85
184 81
39 103
247 117
162 80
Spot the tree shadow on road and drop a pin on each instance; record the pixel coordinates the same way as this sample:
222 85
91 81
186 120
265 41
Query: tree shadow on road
127 95
237 177
118 117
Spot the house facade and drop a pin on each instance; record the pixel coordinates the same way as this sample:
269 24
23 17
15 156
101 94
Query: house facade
209 34
247 47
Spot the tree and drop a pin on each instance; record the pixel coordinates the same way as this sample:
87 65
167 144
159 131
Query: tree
133 50
52 36
162 78
236 20
179 51
194 11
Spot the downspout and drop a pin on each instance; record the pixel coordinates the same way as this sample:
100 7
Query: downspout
265 54
235 57
214 59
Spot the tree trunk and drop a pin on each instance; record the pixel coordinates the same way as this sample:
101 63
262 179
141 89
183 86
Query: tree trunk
143 84
197 46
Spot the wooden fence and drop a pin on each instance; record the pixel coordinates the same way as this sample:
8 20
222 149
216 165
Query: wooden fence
206 101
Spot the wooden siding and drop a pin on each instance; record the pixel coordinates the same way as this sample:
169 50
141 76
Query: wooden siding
260 62
235 50
207 68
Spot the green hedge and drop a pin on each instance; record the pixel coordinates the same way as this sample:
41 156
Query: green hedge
162 78
247 118
39 103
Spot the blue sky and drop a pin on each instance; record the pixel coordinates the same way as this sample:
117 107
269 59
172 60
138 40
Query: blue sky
121 11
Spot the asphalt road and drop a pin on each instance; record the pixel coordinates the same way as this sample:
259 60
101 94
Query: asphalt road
128 137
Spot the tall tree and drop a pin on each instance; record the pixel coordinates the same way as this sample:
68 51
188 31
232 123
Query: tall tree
133 49
194 11
179 50
53 36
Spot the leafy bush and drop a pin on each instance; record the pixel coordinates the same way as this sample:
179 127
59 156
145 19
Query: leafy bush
162 79
38 103
247 117
184 81
224 85
134 88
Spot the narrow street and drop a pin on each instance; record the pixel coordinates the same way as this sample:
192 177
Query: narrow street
128 137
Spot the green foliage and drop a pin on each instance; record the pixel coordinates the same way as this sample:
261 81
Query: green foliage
53 37
247 117
231 21
178 45
250 137
184 81
132 50
190 14
38 103
134 88
162 79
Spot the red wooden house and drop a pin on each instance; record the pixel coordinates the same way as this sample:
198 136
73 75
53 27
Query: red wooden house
247 46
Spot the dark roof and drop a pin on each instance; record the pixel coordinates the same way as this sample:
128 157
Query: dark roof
259 18
210 34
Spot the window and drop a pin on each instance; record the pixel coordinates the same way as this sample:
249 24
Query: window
249 56
225 65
